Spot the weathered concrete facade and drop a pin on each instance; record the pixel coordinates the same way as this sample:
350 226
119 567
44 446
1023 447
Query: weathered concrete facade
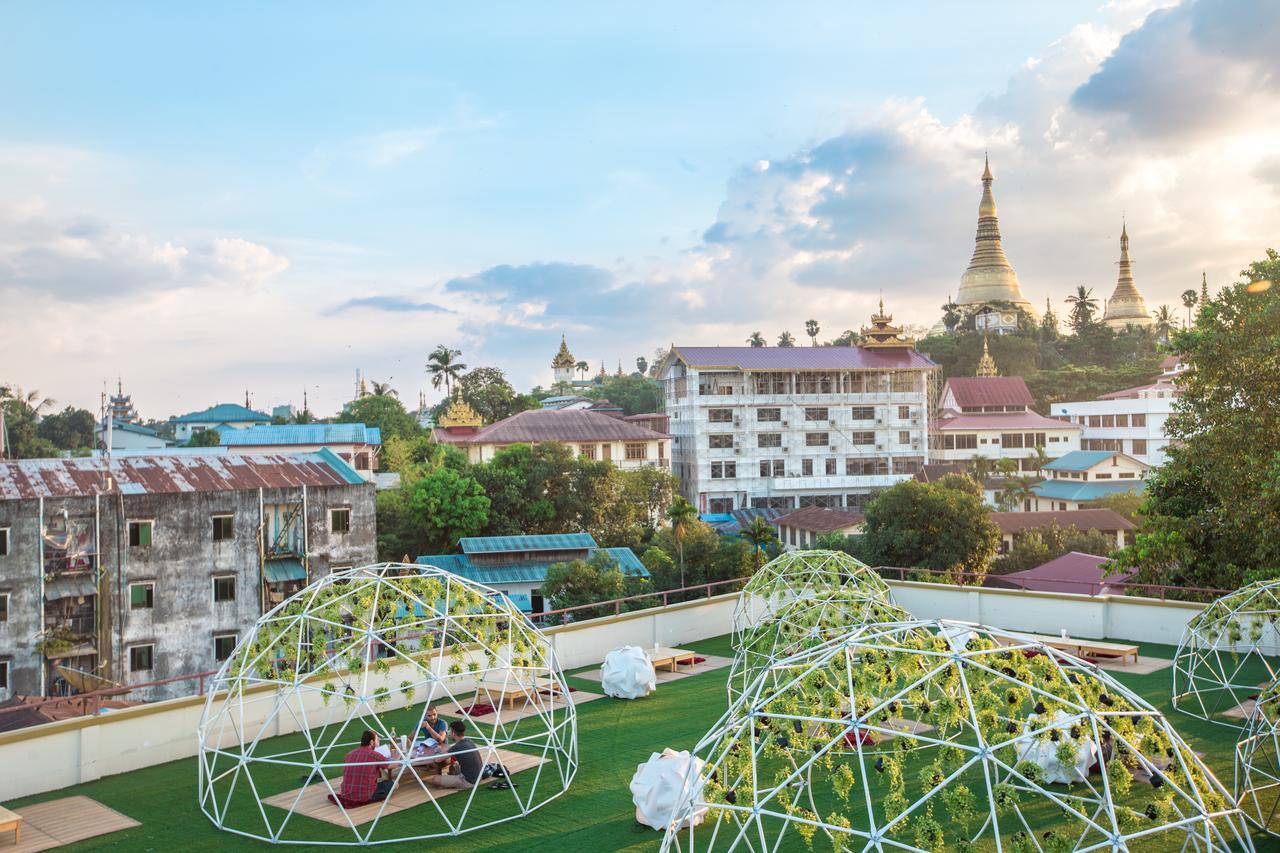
256 552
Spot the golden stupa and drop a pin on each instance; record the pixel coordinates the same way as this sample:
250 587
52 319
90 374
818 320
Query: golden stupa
1126 306
990 285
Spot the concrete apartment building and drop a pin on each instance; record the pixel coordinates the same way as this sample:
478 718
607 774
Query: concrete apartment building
1130 421
789 427
149 567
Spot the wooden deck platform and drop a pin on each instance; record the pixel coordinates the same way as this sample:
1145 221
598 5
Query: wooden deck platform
58 822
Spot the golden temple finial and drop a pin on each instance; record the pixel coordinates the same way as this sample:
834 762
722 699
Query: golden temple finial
986 364
563 358
459 414
986 167
882 334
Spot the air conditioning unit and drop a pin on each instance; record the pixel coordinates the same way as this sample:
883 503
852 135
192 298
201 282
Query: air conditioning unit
737 451
879 447
786 423
832 422
737 421
786 450
832 448
915 420
879 421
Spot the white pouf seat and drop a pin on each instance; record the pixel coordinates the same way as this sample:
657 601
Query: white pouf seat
627 673
665 782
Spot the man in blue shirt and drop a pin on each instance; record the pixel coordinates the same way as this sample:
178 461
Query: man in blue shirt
433 727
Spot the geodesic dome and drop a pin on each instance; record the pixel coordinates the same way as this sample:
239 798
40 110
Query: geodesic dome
889 739
1228 653
799 600
1257 767
371 648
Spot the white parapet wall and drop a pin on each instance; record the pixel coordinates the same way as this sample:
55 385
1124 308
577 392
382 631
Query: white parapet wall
69 752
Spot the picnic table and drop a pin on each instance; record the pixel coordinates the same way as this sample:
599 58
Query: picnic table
1086 648
512 691
662 656
11 821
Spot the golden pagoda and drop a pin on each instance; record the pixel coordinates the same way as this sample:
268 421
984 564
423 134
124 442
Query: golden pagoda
460 415
990 286
1126 306
563 365
986 364
882 334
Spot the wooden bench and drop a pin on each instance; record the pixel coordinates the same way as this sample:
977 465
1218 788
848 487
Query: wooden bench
663 656
1086 648
11 821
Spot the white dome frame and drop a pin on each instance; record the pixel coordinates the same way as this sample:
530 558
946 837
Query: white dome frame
445 638
802 599
794 716
1219 643
1257 763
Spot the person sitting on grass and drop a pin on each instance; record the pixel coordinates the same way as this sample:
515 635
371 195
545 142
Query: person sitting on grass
434 728
360 772
463 761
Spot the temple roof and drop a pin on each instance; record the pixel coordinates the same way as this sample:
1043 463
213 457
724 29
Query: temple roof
990 276
563 358
1126 305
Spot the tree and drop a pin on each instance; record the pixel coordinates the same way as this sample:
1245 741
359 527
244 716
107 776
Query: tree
205 438
582 367
962 482
70 429
384 389
581 582
1016 490
951 315
918 525
1040 460
756 340
445 506
1128 504
642 366
29 403
1083 306
1211 511
786 339
681 514
1037 547
1165 323
385 413
759 533
811 329
1188 302
18 420
530 489
647 492
444 368
487 390
1049 323
635 394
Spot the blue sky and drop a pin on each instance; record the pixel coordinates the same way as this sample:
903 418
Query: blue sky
209 199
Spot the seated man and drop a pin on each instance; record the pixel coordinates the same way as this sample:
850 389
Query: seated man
463 761
363 765
433 727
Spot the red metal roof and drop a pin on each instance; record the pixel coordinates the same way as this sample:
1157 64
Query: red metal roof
820 519
564 425
1072 572
1081 519
800 358
1132 393
989 391
1006 420
26 479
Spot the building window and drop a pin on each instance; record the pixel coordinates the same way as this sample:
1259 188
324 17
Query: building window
904 436
769 439
904 412
1108 420
224 588
1139 420
857 501
340 520
634 449
140 534
606 452
142 596
4 541
902 382
906 465
720 506
1095 420
771 503
771 415
864 413
4 607
720 441
1011 439
223 528
1122 420
863 438
816 439
1101 476
722 470
587 451
720 416
223 646
967 442
1139 447
817 413
141 657
806 467
4 675
1124 475
772 468
831 467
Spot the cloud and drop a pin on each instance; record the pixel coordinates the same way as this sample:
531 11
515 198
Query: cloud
552 294
392 304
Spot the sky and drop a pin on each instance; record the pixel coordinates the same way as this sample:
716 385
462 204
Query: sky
207 199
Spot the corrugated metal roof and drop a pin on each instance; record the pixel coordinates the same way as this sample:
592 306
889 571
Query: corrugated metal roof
26 479
287 569
820 519
1081 519
68 586
1080 460
1072 572
1005 420
564 425
542 542
1072 490
460 565
990 391
800 358
222 413
300 434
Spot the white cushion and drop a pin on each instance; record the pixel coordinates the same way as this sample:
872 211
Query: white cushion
627 673
664 785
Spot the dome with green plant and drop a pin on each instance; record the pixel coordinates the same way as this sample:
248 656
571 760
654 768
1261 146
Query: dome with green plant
372 648
1228 652
899 736
1257 776
803 599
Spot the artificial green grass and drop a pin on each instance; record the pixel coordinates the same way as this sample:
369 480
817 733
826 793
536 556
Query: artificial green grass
596 814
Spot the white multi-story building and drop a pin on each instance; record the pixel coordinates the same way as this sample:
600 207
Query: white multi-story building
788 427
991 417
1130 421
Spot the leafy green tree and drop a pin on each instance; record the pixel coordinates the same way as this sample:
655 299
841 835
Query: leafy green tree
445 506
582 582
1037 547
642 366
1188 302
1083 307
962 482
917 525
701 546
531 490
205 438
444 368
1016 491
384 389
645 494
1212 514
760 534
385 413
786 339
70 429
951 315
756 340
487 390
637 395
1128 504
1049 323
811 329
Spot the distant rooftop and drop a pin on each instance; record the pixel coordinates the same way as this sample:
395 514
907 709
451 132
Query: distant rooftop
224 413
990 391
1081 519
1081 460
818 519
1072 572
540 542
800 358
1076 490
300 434
998 420
565 425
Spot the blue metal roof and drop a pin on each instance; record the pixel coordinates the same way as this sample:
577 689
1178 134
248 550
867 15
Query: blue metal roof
460 564
545 542
224 412
125 426
294 434
288 569
1073 490
1079 460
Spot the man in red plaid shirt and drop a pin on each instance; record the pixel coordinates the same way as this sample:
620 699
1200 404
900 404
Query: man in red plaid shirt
360 775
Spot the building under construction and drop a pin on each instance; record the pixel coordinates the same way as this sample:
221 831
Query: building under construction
145 568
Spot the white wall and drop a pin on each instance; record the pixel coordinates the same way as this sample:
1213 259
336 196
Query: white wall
55 755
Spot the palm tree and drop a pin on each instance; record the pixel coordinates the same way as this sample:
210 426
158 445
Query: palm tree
756 339
681 514
1165 321
981 467
951 316
759 533
1041 458
582 367
384 389
444 369
1083 305
786 339
1188 302
811 329
1016 490
30 403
